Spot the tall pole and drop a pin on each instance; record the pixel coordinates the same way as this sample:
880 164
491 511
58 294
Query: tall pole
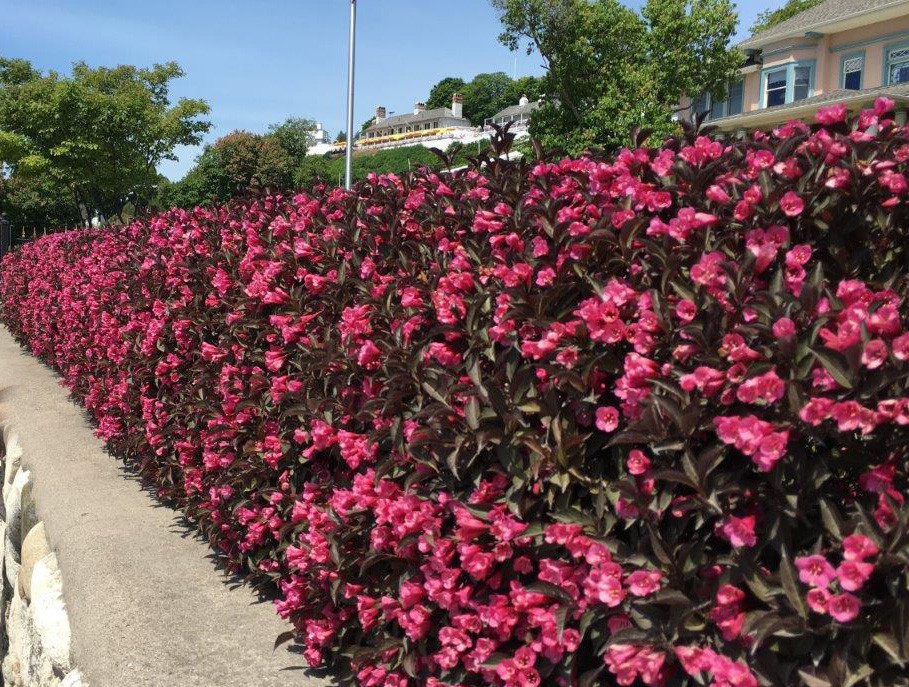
348 167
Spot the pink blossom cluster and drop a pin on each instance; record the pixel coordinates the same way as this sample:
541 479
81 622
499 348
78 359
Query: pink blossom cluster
851 575
520 423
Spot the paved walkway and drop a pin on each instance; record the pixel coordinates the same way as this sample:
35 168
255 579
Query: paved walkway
146 603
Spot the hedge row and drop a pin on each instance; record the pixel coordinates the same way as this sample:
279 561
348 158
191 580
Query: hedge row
638 419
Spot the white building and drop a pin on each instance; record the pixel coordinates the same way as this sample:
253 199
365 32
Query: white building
516 115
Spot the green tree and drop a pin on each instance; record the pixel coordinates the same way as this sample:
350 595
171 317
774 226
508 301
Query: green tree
440 94
485 95
37 201
529 86
99 133
235 164
610 69
770 18
294 135
329 168
341 137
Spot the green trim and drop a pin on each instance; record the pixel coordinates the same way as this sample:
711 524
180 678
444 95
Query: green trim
849 56
885 60
788 49
789 68
870 41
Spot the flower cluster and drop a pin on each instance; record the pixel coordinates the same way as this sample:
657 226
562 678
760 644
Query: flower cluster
576 421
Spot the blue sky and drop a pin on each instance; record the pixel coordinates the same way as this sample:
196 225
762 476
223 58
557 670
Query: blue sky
257 63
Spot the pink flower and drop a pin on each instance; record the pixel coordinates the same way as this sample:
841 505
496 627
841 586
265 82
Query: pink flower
901 347
728 613
739 531
784 328
816 410
706 379
874 354
603 586
792 204
815 570
843 607
753 437
685 310
607 419
765 388
817 598
643 582
638 464
717 194
832 114
445 355
411 298
274 360
369 355
858 547
545 276
883 105
853 574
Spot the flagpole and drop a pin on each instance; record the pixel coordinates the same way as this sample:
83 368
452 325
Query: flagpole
348 166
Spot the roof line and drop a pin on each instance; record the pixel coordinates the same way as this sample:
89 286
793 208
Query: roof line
756 39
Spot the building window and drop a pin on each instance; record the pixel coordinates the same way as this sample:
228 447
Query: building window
853 67
776 88
735 99
898 66
787 83
802 87
732 104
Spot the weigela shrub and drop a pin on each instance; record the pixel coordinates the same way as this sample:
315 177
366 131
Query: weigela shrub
629 420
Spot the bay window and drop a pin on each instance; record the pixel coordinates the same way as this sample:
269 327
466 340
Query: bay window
787 83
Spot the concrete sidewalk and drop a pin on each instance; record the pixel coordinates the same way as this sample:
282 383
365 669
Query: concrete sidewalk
146 604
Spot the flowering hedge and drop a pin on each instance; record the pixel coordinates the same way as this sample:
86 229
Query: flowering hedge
636 420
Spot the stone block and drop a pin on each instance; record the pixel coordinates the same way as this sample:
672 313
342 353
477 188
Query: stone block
11 460
34 548
47 613
74 679
15 663
28 514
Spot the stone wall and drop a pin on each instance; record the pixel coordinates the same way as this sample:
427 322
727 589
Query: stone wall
34 627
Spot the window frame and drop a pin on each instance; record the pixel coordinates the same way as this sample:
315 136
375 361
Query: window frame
787 79
889 48
725 102
790 68
851 56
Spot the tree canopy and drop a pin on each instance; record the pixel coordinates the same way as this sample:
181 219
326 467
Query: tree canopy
440 94
95 136
611 69
770 18
294 135
242 162
235 164
485 94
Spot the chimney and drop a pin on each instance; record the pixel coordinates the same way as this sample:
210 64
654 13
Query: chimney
380 114
523 101
457 105
419 107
